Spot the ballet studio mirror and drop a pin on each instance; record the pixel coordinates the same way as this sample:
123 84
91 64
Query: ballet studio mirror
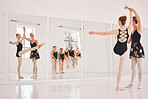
25 66
93 54
97 51
65 33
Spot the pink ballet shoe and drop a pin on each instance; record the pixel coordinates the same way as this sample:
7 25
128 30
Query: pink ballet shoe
119 89
129 86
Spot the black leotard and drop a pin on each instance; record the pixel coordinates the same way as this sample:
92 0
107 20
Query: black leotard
61 56
79 54
121 45
66 53
71 53
19 48
55 54
35 53
137 50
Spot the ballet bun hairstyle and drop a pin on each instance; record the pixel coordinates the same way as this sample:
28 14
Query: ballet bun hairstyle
123 20
61 48
135 19
17 34
54 46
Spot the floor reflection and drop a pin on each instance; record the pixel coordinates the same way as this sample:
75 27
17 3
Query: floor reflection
86 89
65 76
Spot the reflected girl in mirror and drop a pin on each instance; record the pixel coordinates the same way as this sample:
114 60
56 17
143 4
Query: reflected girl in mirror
54 54
61 60
67 57
34 55
78 55
72 56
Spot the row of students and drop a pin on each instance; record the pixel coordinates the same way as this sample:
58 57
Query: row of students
68 55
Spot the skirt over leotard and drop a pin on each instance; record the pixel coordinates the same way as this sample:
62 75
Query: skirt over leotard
137 49
121 45
35 53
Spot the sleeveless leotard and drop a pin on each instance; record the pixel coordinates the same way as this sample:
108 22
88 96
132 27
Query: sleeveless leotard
121 45
19 48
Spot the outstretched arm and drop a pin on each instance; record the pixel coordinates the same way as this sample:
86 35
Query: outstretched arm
13 43
104 33
138 19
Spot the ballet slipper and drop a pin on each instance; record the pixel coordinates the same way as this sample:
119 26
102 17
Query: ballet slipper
34 77
139 86
129 86
41 45
20 77
68 67
119 89
73 66
61 72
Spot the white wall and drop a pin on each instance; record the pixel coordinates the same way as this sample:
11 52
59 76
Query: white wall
41 36
106 11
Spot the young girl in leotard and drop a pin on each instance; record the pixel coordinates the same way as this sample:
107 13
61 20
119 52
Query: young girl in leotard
67 57
78 55
34 55
21 52
54 59
61 60
137 51
72 56
121 45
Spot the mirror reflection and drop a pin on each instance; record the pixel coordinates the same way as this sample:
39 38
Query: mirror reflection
27 50
65 44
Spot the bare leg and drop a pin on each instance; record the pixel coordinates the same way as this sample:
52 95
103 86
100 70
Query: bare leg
19 67
139 61
119 75
30 49
133 67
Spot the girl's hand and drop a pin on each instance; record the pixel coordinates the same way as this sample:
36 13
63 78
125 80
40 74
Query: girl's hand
10 42
91 32
126 7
